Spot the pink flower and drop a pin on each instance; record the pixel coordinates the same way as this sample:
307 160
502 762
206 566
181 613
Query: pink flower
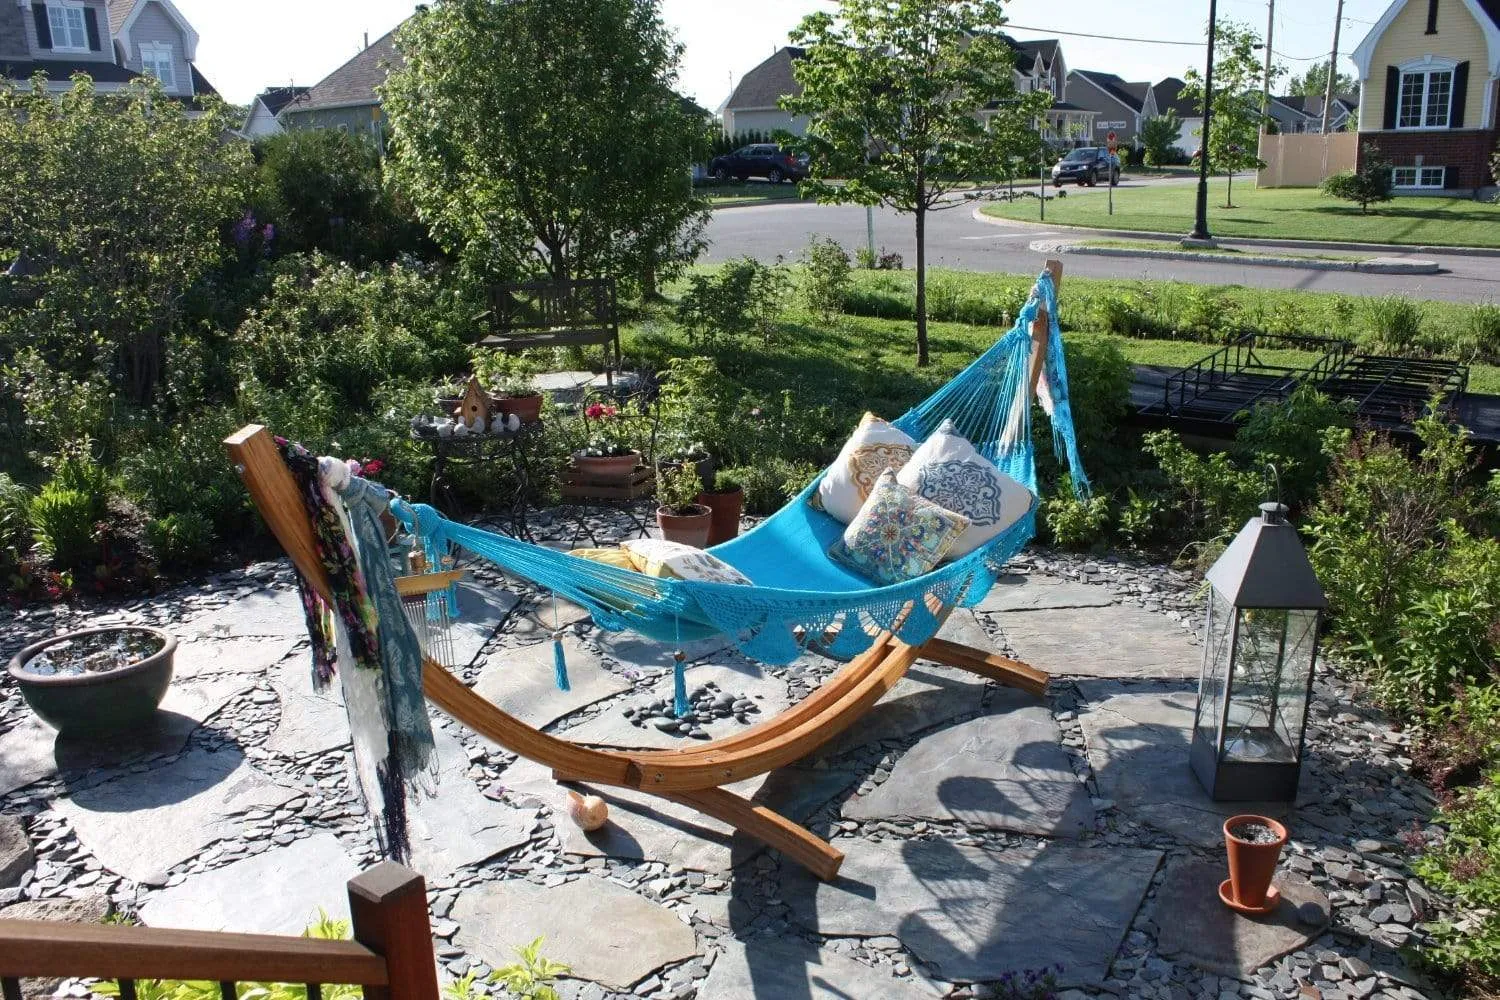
595 411
373 467
610 411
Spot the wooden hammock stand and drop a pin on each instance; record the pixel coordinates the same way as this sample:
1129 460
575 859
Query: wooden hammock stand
693 777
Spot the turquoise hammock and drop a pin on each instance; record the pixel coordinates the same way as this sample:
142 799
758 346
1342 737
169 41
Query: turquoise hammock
800 598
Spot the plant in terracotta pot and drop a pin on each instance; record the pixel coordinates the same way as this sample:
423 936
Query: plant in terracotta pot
1254 845
681 517
726 500
97 680
608 452
509 378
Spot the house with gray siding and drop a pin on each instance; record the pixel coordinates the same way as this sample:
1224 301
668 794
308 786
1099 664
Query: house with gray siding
1122 107
113 41
346 98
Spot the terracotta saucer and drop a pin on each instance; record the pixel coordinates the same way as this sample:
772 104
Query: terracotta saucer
1273 899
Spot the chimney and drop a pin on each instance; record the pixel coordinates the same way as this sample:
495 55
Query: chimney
367 39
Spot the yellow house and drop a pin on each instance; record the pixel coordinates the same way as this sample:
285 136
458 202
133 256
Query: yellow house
1428 73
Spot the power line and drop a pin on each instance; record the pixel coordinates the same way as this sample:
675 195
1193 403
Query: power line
1109 38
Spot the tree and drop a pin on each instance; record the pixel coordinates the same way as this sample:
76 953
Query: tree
544 135
1369 184
1159 137
1234 130
893 91
1314 83
118 206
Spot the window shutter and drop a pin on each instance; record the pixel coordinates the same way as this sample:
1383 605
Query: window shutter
91 22
1460 91
43 26
1392 95
1432 7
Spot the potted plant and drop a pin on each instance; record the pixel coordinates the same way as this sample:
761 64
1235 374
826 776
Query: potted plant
96 680
608 453
726 501
509 378
681 517
1254 845
694 453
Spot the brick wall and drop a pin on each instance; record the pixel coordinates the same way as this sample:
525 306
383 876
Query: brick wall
1465 152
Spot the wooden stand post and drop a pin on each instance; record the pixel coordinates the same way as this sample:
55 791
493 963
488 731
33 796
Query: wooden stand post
389 907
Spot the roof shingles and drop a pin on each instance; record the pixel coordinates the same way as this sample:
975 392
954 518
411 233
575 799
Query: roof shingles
353 83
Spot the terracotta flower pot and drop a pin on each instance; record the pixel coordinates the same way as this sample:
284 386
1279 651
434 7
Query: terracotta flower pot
727 507
689 529
528 409
607 466
1252 863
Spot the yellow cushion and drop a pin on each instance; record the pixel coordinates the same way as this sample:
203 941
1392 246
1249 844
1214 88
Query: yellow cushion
675 561
618 558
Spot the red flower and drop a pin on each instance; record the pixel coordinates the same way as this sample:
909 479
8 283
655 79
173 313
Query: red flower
595 411
373 467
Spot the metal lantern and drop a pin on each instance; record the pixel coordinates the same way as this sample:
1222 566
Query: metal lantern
1261 646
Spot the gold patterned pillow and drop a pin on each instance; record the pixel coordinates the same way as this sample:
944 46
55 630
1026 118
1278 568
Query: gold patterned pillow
874 447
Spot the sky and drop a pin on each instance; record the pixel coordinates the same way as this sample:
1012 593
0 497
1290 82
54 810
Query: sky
248 45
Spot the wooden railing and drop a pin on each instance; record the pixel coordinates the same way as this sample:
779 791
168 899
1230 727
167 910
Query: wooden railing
390 956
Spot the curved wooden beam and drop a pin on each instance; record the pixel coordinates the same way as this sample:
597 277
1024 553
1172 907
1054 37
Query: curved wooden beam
768 826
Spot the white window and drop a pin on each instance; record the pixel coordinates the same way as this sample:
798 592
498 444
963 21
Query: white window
69 32
1418 177
157 60
1425 99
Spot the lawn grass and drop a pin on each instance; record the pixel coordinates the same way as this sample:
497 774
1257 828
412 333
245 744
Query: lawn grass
734 193
1217 251
1273 213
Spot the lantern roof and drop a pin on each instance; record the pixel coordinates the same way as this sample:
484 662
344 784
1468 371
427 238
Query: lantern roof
1267 567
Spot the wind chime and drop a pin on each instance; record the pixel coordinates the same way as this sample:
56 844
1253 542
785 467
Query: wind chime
430 601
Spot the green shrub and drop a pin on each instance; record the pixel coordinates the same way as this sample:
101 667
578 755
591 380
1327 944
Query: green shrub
64 522
1483 333
1393 325
182 470
1099 380
742 297
1075 523
1370 184
1289 433
1465 864
825 276
181 540
771 483
1210 495
1141 521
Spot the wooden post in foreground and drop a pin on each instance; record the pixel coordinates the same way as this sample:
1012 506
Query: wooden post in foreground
1041 328
389 907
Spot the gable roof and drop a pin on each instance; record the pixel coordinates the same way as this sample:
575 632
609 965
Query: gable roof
122 14
353 84
1485 12
273 99
767 83
1169 97
1312 104
1132 95
1044 47
119 10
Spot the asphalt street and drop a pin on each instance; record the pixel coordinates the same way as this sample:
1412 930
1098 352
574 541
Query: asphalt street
955 239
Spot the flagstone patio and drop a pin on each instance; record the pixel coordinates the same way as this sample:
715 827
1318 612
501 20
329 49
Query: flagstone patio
987 833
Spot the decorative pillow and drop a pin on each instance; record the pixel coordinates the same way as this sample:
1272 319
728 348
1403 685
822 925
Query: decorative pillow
675 561
874 447
950 472
897 535
618 558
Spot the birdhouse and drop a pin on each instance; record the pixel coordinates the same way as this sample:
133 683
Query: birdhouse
474 408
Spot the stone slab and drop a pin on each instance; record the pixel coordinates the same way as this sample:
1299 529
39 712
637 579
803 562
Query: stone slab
312 721
927 696
606 933
1118 641
481 610
974 915
278 891
1005 770
460 825
142 825
731 672
522 681
33 750
16 854
544 616
1036 591
263 614
631 650
1195 927
776 969
1137 743
258 656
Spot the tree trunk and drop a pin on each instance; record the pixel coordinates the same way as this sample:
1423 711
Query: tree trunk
1229 191
921 282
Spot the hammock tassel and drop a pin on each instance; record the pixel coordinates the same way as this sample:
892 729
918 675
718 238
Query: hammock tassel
680 706
559 662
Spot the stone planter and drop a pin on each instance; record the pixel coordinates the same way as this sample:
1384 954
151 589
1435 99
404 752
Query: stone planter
607 466
1252 863
80 704
688 529
727 506
528 409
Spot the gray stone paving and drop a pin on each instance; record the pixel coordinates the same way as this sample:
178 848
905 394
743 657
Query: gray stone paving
1138 746
481 609
143 824
974 914
927 696
311 721
605 932
197 657
1005 770
521 680
262 614
1198 929
788 970
16 854
459 825
1037 591
279 891
1115 641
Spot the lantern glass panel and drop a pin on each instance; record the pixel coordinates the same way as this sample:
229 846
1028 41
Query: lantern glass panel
1268 686
1216 665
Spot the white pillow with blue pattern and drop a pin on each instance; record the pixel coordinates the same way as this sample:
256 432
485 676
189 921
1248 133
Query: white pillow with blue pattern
947 470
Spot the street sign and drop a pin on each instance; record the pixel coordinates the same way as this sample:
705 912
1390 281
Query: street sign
1114 142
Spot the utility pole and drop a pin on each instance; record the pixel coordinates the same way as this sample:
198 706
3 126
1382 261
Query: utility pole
1333 65
1265 88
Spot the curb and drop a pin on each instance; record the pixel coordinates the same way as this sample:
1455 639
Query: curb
1140 234
1375 265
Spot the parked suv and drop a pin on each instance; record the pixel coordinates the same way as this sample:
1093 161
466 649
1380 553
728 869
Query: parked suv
1087 165
761 159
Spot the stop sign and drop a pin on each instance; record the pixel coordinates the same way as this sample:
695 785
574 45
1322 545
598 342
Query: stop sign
1113 141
